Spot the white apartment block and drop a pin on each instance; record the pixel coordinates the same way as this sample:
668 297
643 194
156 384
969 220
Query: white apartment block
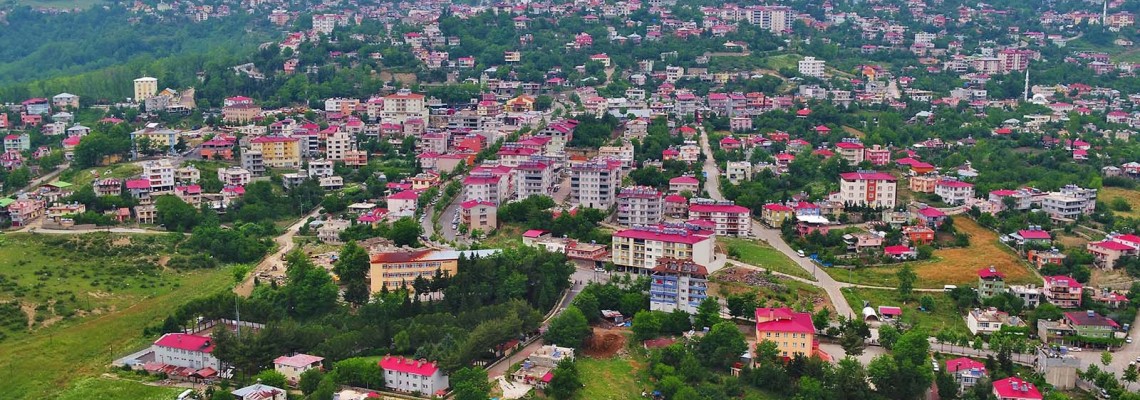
1069 203
160 174
533 178
810 66
776 19
639 205
413 376
738 171
872 189
234 176
402 106
594 184
338 145
730 219
637 250
954 192
320 168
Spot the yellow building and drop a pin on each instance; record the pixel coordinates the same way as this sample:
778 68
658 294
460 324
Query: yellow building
400 268
145 87
792 332
775 214
523 103
277 151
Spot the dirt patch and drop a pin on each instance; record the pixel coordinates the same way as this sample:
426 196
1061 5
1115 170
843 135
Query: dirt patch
121 241
605 343
1114 279
30 311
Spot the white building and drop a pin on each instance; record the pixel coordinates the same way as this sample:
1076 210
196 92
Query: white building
338 145
738 171
954 192
639 205
185 350
234 176
1069 203
160 174
259 391
810 66
775 19
413 376
990 320
636 250
594 184
485 187
17 143
321 168
873 189
293 366
730 219
402 204
533 178
145 88
402 106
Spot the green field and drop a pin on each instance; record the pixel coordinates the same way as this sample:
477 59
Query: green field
762 255
782 61
62 4
944 317
617 378
107 388
85 177
93 295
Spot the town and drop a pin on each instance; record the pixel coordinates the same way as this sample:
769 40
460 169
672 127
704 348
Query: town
671 199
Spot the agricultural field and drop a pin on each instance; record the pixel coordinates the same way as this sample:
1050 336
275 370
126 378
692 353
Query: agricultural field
1132 197
762 255
85 300
953 266
944 316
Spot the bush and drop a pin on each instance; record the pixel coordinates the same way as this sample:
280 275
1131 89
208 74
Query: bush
1119 204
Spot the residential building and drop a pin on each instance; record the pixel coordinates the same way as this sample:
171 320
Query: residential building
991 282
330 230
338 146
677 284
776 214
594 184
402 106
538 368
252 161
235 176
145 87
954 192
65 100
738 171
791 331
852 151
186 351
413 376
639 205
1069 203
533 178
966 371
241 113
18 143
399 269
160 174
23 211
869 189
478 215
1106 253
1014 388
259 391
485 186
1030 295
877 155
636 250
730 219
776 19
1090 324
811 67
158 137
187 174
277 151
990 320
683 184
1063 291
402 204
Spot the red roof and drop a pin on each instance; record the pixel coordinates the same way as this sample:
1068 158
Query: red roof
1061 280
931 212
138 184
469 204
405 195
1110 245
1024 390
849 145
954 184
777 207
1130 238
676 198
990 272
803 112
867 176
726 208
784 320
407 365
897 250
186 342
963 364
1035 234
273 139
299 360
533 233
660 236
684 180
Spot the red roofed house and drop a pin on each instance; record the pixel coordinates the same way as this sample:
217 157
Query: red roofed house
900 252
853 152
877 155
872 189
293 366
931 217
402 204
1106 253
1013 388
1063 291
775 214
919 234
966 371
991 282
676 206
920 167
637 250
954 192
413 376
730 219
791 331
684 183
478 215
185 350
1033 236
730 143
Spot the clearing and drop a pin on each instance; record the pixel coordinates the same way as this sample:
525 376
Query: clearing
60 4
616 378
761 255
771 289
108 388
955 266
85 177
944 317
1108 194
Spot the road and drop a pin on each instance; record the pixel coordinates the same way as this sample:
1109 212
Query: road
272 264
712 173
46 178
562 192
446 231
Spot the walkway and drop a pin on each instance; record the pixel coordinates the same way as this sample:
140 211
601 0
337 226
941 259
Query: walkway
273 264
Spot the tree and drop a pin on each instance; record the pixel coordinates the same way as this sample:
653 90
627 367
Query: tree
1130 375
741 305
470 384
587 302
310 290
1105 358
406 232
175 215
848 380
310 380
888 335
272 378
568 329
906 278
646 324
362 372
708 313
947 386
352 268
566 382
722 346
853 335
927 303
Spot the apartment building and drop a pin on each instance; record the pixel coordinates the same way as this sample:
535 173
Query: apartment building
160 174
252 161
738 171
1063 291
478 215
414 376
639 205
398 269
954 192
402 106
1069 203
277 151
145 88
636 250
791 331
485 187
1107 252
870 189
852 151
991 282
776 19
533 178
811 67
990 320
677 284
338 146
729 218
186 351
594 184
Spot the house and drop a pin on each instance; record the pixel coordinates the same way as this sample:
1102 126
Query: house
538 367
900 252
185 350
1090 324
478 215
637 250
402 204
870 189
987 321
966 371
295 365
1014 388
774 215
639 205
860 241
791 331
682 184
677 284
277 151
329 231
23 211
991 282
1063 291
1107 252
259 391
1035 237
931 217
413 376
398 269
918 235
954 192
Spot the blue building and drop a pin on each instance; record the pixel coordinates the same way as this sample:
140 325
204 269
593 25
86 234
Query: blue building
677 284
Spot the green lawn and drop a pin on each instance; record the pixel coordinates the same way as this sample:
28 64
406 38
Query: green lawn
107 388
783 61
131 293
762 255
617 378
85 177
944 317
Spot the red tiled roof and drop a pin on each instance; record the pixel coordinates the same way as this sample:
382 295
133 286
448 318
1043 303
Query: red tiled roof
684 180
676 198
963 364
469 204
987 273
953 184
1005 389
890 310
273 139
407 365
660 236
533 233
785 320
727 208
867 176
138 184
1110 245
186 342
777 207
897 250
1035 234
931 212
1061 280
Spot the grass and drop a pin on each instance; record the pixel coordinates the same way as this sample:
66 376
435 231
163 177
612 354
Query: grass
944 317
783 61
132 293
106 388
616 378
954 266
792 293
763 255
1108 194
63 4
506 236
85 177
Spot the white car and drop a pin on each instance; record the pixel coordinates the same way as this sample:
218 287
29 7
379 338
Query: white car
801 253
1128 339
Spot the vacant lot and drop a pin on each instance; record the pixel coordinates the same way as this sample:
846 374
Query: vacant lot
85 177
108 388
616 378
957 266
1108 194
762 255
944 316
771 289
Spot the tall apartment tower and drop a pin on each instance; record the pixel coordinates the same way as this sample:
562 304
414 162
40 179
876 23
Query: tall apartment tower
145 88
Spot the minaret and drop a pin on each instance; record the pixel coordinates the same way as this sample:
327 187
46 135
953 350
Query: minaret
1026 93
1104 15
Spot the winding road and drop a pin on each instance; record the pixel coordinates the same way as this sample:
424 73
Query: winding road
284 246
